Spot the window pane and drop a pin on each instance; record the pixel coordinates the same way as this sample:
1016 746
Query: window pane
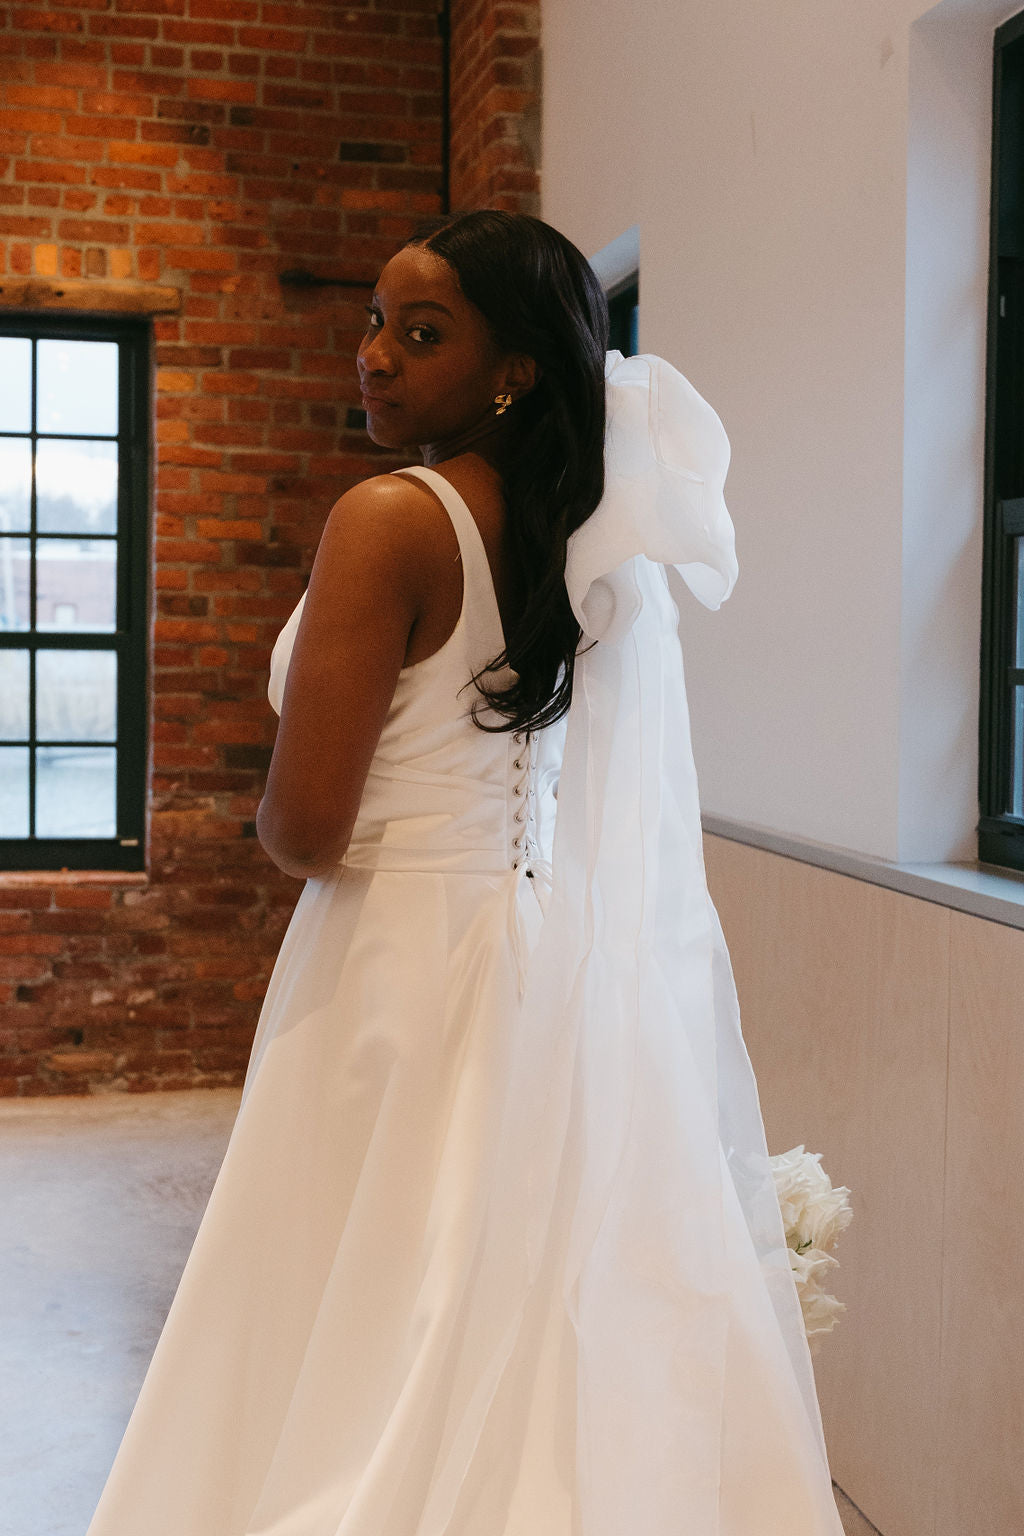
14 574
76 792
1019 605
76 695
13 791
15 483
76 486
76 585
15 384
76 388
1017 754
14 695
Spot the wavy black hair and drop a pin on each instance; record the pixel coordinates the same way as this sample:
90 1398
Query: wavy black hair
540 297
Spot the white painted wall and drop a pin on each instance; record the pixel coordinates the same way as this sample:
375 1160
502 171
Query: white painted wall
811 183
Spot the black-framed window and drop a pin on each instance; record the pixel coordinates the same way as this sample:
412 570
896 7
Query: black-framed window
73 592
624 316
1001 829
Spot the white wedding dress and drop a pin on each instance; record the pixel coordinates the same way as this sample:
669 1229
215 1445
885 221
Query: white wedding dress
494 1249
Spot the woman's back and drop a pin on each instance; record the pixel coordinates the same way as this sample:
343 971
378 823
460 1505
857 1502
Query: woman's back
439 787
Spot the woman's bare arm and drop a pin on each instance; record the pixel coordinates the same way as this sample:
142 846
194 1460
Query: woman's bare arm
365 593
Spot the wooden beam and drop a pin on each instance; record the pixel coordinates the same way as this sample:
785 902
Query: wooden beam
94 296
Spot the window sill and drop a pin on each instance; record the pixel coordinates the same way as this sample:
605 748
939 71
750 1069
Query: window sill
981 890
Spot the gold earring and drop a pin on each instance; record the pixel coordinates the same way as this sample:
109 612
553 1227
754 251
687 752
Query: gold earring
502 402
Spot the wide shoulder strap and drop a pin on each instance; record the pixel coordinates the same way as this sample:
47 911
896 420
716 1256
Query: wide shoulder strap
480 616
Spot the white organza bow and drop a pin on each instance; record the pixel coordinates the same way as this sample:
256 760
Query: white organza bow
666 458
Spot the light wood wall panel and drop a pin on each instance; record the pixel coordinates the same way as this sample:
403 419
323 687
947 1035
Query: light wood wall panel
843 991
981 1486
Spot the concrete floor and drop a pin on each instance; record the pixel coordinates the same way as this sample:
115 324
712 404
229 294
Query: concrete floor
100 1199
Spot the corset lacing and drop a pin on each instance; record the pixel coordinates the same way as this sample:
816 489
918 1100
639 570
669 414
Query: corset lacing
526 860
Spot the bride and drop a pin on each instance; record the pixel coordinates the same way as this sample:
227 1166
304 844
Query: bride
495 1248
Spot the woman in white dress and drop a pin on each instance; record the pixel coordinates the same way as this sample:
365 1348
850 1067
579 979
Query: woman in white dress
494 1249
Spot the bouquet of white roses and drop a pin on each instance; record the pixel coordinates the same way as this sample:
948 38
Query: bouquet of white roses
813 1215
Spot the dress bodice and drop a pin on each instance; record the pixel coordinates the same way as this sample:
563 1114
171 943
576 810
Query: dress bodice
442 793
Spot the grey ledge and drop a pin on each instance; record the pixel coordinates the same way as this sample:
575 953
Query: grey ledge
982 890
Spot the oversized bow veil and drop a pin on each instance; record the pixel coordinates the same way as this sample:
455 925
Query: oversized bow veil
631 1182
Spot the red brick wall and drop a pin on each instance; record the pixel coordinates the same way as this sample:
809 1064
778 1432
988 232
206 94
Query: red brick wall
495 105
207 145
210 145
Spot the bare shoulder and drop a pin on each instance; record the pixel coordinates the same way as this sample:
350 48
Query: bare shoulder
393 508
389 528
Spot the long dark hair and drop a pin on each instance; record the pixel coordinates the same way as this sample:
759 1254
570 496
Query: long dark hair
540 297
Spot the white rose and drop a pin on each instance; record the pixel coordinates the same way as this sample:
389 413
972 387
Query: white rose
813 1216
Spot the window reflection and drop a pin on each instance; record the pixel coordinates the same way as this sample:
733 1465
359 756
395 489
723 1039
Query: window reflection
76 585
76 792
76 387
13 695
76 695
15 384
13 791
15 569
76 486
15 484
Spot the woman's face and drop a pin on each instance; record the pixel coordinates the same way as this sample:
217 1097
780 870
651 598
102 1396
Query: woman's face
428 367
